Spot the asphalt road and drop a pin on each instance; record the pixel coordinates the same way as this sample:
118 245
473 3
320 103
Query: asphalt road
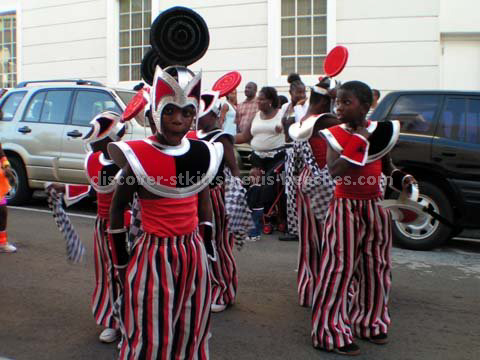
45 313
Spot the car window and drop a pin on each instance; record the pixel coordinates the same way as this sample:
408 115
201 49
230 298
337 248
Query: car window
90 103
10 105
126 96
416 113
55 106
34 108
473 122
452 121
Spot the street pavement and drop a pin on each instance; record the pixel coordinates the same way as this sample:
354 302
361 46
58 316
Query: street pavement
45 313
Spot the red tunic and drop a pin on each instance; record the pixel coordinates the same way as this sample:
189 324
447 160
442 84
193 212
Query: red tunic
100 173
319 148
103 205
166 217
362 182
359 182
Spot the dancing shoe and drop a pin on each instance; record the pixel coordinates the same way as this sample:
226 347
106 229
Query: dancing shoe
380 339
7 248
350 350
215 308
109 335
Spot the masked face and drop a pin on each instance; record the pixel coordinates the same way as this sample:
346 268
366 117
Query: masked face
176 122
176 86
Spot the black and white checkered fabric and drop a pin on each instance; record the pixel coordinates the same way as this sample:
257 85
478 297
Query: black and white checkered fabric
320 187
293 166
75 248
239 219
136 229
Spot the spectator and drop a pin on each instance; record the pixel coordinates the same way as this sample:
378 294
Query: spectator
228 114
298 103
376 96
297 107
255 204
247 110
265 135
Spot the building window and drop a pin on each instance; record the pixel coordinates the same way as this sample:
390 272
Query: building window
134 40
8 50
303 36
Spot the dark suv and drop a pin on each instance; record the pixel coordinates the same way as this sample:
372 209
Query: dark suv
440 145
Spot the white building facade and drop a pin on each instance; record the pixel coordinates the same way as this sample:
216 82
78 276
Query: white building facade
393 45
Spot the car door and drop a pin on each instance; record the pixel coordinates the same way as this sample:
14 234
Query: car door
86 105
39 132
456 147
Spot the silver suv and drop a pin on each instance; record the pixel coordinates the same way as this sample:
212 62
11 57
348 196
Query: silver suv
41 128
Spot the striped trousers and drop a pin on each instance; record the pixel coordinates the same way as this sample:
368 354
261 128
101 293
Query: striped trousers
355 259
105 293
223 272
166 313
310 234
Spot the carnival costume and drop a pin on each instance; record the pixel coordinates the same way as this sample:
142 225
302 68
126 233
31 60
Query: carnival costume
5 187
356 243
223 268
313 195
167 286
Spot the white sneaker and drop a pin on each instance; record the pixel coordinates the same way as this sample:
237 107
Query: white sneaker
217 308
252 238
109 335
7 248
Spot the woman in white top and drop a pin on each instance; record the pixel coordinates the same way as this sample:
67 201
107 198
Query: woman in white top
266 138
229 111
265 133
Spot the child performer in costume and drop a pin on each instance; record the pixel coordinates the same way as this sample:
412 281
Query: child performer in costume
314 190
223 269
101 170
167 294
357 236
6 177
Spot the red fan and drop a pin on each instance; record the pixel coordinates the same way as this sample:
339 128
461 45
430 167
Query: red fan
137 104
227 83
335 61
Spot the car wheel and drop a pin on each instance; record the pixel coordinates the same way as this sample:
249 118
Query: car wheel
20 192
431 233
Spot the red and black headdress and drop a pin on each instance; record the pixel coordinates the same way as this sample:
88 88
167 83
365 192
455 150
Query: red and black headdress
105 125
179 37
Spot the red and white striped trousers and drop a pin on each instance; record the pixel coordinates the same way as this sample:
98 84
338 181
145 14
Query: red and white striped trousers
223 272
105 293
355 257
310 234
167 300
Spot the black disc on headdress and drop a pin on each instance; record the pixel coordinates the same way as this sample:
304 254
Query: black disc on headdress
149 63
179 36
